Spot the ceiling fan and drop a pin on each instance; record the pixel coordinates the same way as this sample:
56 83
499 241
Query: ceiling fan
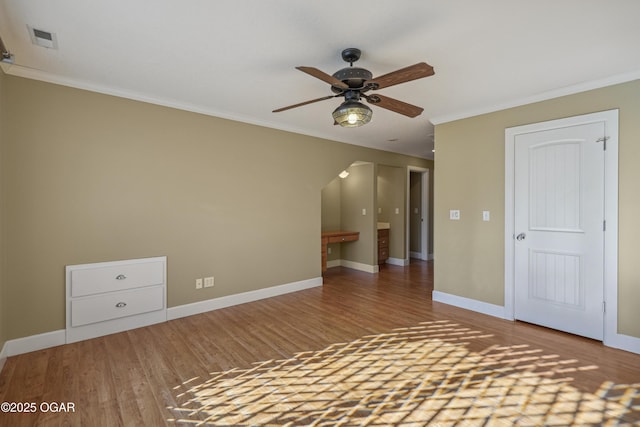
353 83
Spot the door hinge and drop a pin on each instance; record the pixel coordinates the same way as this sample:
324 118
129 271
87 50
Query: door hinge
604 225
604 306
604 140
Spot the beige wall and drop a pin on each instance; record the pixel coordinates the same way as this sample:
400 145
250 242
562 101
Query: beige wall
470 177
93 178
331 201
331 197
358 193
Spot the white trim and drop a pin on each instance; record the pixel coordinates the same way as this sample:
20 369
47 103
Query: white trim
418 255
624 342
353 265
241 298
469 304
610 118
398 261
360 266
556 93
60 337
34 74
100 329
34 343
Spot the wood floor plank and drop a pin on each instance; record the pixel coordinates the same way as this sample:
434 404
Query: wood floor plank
166 374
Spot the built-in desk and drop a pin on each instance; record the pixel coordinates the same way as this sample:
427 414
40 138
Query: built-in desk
335 237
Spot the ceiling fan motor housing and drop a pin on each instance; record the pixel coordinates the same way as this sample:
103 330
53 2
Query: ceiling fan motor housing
354 77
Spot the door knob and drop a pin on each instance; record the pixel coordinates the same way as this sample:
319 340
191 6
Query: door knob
521 236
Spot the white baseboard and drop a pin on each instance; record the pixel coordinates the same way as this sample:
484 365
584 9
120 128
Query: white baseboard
398 261
418 255
469 304
624 342
354 265
360 266
231 300
59 337
33 343
100 329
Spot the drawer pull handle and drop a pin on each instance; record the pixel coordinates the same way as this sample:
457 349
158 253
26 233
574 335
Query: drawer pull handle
121 277
121 304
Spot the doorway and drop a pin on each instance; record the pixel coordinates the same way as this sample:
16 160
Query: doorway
561 224
418 213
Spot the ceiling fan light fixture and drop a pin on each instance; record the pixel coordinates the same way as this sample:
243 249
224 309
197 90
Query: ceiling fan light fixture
352 114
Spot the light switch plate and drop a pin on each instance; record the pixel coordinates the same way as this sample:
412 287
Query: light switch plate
454 214
486 216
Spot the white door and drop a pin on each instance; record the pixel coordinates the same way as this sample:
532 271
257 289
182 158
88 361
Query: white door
559 219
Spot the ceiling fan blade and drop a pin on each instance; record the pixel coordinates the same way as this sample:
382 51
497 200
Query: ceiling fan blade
413 72
394 105
324 77
304 103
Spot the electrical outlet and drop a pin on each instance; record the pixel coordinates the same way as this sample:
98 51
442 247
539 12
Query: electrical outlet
208 282
198 283
454 215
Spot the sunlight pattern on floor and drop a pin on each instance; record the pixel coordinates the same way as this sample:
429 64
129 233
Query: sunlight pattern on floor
410 377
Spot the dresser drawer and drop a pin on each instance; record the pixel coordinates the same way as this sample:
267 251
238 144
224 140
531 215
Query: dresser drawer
98 280
383 242
114 305
344 238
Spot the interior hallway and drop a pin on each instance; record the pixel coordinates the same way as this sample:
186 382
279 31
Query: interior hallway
363 349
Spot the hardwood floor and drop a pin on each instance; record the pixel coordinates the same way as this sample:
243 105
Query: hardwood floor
363 349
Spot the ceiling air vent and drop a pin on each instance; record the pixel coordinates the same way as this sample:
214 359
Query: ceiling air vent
43 38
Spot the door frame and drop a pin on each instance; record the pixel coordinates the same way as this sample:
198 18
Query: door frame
424 202
610 118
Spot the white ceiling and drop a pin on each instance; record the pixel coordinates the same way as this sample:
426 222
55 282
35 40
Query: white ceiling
235 58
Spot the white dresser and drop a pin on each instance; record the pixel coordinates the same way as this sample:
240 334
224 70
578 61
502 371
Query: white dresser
108 297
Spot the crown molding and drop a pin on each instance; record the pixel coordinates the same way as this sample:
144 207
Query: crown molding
544 96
